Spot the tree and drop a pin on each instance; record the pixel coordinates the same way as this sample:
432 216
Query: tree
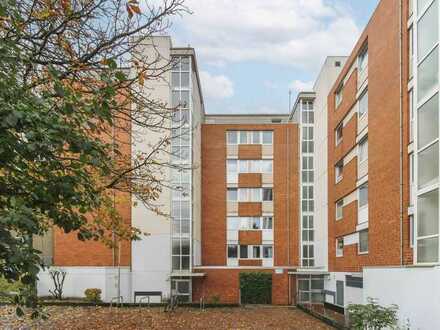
70 88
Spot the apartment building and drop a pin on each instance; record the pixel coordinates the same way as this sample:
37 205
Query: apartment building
337 200
249 204
161 261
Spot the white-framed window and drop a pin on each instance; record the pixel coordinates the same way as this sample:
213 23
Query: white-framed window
267 194
363 59
340 247
267 252
308 255
338 95
232 251
363 104
266 166
267 222
411 231
339 209
411 52
232 195
363 195
232 170
339 169
244 252
411 114
256 252
411 179
232 137
338 134
267 137
363 150
410 8
249 137
363 242
427 30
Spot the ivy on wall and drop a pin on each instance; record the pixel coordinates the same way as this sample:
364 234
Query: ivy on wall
256 288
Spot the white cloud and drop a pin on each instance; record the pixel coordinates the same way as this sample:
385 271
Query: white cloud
216 87
301 86
298 33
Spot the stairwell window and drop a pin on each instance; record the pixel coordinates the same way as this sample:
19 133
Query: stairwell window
232 251
339 168
338 134
339 247
363 150
363 104
363 242
363 195
338 95
339 208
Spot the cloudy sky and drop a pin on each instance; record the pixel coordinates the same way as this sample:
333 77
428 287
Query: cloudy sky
251 52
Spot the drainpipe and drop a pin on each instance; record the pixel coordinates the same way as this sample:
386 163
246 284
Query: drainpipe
288 205
401 128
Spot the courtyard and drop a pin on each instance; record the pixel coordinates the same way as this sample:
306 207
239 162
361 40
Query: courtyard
254 317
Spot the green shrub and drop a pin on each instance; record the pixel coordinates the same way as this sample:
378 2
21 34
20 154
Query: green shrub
256 288
372 316
93 295
214 300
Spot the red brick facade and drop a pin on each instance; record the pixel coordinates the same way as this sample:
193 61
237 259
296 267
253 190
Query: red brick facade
384 199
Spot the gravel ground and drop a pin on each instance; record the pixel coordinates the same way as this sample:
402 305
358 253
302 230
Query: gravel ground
254 317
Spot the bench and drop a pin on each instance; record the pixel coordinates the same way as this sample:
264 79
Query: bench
147 294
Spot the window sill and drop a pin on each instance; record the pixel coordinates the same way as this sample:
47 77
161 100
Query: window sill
362 253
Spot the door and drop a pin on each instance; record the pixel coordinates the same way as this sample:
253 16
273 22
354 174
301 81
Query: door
340 293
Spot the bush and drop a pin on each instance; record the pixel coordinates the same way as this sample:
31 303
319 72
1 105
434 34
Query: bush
214 300
93 295
256 288
372 316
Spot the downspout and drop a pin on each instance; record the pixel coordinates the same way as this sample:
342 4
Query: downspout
401 128
288 206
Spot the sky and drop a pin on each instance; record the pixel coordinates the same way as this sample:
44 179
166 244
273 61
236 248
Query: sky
250 53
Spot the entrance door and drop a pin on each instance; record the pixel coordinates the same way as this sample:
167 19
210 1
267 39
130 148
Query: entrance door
340 293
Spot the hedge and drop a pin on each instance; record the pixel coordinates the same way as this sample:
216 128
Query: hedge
256 288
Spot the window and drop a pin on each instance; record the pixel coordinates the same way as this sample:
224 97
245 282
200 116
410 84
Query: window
254 166
232 195
232 170
427 77
427 227
410 8
338 134
411 52
267 251
421 5
339 208
256 223
339 247
243 251
244 137
267 194
256 137
363 195
363 104
411 179
232 251
339 168
428 166
363 150
354 281
266 166
427 31
363 59
428 128
363 241
411 231
267 137
411 114
308 255
267 222
232 137
256 252
338 95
